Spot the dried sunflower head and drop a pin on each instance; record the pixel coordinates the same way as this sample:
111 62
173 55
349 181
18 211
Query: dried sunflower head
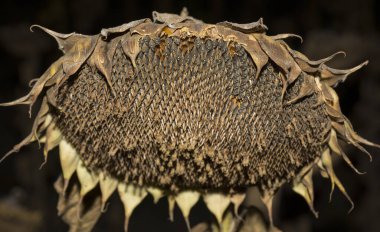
179 108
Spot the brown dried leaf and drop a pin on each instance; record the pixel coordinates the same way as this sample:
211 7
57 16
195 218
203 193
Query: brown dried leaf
102 56
267 199
333 77
172 19
285 36
336 148
304 187
34 134
65 41
279 54
308 87
254 27
328 166
53 138
105 32
76 56
260 59
131 47
346 131
32 96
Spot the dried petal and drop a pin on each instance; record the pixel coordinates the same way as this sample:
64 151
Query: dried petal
123 28
131 196
185 201
217 203
107 185
237 199
304 187
69 161
254 27
335 147
156 193
80 215
88 180
328 166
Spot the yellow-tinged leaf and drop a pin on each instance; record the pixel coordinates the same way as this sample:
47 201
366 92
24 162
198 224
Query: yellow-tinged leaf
185 201
69 159
131 196
217 203
304 187
81 215
171 202
327 163
156 193
322 170
237 199
88 180
53 138
228 224
335 147
107 185
251 220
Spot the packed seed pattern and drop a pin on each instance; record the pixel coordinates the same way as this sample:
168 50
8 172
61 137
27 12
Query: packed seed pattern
191 115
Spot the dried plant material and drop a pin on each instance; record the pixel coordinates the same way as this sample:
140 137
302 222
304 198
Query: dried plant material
328 166
304 187
171 203
180 108
237 200
53 138
108 186
252 221
88 180
69 161
217 204
131 196
268 202
81 215
185 201
156 193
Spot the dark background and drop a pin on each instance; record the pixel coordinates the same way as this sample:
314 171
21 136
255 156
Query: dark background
27 197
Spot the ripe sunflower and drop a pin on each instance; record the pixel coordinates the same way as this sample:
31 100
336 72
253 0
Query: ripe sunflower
179 108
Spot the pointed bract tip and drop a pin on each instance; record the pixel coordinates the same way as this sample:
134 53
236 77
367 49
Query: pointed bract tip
7 155
217 203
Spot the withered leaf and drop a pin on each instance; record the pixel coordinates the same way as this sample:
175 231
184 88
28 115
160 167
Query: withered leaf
80 215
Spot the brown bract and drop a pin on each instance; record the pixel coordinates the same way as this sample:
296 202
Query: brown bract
302 90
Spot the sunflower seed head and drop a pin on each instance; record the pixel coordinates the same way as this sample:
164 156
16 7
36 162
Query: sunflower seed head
180 108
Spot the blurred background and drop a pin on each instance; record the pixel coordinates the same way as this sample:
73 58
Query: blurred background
27 197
